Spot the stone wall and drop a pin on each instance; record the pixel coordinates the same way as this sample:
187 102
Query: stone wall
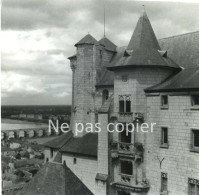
85 169
178 161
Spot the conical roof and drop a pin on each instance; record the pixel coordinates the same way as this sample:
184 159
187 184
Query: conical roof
143 49
143 36
109 45
88 39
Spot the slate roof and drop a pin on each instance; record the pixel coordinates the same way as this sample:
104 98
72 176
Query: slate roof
86 145
88 39
107 79
143 36
109 45
143 49
183 49
186 80
58 142
55 179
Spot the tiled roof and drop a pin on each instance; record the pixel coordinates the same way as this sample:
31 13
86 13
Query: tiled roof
88 39
186 80
55 179
109 45
86 145
143 49
183 49
58 142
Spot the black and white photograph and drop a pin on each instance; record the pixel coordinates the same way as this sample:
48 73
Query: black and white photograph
99 97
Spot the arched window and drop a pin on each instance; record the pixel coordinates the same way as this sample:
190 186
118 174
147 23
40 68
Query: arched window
105 95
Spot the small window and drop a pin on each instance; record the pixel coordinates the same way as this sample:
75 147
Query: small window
124 78
164 182
164 136
164 101
193 186
105 95
126 167
100 53
195 139
74 161
195 100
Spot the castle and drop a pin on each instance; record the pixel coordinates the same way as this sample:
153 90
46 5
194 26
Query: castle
149 81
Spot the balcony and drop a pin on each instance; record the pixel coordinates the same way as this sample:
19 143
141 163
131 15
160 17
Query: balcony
125 117
127 149
128 182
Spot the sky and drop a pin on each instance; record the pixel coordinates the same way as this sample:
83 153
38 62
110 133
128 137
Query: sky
38 35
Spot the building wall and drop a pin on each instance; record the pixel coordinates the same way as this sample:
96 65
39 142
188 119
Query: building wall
47 154
85 169
179 163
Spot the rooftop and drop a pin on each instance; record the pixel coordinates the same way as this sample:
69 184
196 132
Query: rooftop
55 179
86 145
186 80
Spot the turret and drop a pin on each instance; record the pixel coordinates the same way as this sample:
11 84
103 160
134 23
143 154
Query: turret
84 66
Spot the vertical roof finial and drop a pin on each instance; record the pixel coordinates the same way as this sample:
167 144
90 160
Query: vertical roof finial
143 8
104 19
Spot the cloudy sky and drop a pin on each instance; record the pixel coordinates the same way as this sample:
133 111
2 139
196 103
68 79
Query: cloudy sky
39 35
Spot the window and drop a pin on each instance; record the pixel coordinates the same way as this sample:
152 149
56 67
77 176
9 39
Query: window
164 136
125 136
74 161
124 78
105 95
124 104
193 186
101 54
126 167
195 100
164 101
195 139
164 182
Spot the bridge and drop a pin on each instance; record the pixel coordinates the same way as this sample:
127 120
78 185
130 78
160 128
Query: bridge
29 133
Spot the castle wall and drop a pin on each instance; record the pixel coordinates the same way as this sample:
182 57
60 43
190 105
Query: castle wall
179 162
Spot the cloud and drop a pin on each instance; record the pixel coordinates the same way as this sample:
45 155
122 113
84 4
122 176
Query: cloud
39 35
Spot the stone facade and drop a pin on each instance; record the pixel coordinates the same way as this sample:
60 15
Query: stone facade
138 163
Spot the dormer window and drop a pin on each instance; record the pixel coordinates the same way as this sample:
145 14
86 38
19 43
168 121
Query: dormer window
164 101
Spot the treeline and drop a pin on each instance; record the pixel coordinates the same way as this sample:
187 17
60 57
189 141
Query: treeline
7 111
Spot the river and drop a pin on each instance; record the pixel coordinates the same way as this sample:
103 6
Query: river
10 124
